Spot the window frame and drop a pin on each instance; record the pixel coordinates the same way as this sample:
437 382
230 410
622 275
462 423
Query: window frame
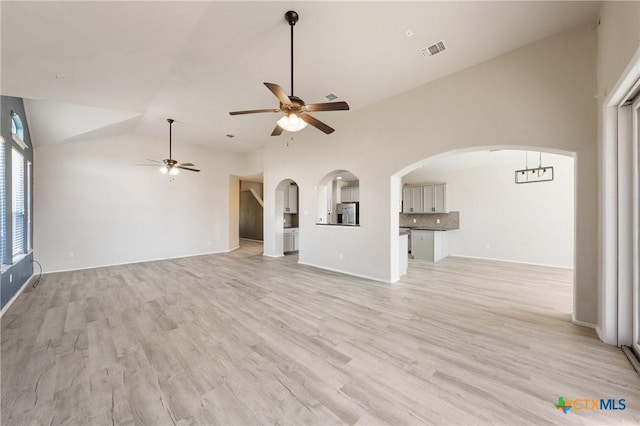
18 142
3 202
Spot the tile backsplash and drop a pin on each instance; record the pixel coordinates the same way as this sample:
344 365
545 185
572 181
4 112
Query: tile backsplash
449 220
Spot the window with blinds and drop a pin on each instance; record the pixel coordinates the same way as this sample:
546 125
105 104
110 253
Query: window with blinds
3 205
18 202
29 209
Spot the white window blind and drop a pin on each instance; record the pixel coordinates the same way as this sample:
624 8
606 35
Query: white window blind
18 205
3 205
29 209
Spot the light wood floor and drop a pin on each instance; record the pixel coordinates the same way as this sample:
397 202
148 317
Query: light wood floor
239 338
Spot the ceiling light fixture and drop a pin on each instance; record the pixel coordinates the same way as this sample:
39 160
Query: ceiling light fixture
169 169
169 165
292 122
535 174
295 111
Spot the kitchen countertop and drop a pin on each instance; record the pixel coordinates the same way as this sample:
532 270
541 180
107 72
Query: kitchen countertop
433 228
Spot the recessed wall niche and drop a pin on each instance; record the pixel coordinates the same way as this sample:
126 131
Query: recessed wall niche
339 199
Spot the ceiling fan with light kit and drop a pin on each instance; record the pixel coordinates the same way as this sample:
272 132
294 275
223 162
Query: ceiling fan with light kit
169 165
296 112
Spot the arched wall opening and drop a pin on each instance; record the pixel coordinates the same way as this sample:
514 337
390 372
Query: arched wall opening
336 190
285 215
491 230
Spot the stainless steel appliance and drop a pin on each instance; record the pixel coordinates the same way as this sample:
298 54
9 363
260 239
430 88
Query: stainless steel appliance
348 213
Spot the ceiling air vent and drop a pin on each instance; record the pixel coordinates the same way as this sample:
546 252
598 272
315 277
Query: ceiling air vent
331 97
433 49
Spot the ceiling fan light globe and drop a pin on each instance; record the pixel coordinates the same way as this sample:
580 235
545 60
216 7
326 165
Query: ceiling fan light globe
163 170
292 123
174 171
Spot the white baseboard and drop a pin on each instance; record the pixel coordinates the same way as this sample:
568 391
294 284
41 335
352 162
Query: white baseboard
583 324
15 296
366 277
510 261
275 256
599 332
140 261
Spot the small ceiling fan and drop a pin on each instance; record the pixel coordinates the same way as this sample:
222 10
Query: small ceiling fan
169 165
296 111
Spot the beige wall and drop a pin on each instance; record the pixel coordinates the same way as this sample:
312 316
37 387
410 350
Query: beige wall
618 41
245 185
91 199
539 96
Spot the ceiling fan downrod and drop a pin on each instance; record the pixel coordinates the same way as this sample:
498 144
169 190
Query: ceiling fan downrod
291 17
170 120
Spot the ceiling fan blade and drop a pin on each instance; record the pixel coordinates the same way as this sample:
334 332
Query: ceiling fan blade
317 123
186 164
328 106
179 166
279 92
253 111
155 161
277 131
141 164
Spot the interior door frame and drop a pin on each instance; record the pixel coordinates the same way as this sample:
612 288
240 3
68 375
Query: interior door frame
614 328
635 344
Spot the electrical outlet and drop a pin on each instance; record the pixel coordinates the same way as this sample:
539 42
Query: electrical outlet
414 220
437 220
340 256
71 255
10 278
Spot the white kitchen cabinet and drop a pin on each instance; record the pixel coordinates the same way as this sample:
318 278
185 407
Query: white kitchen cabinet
431 198
290 242
434 198
287 245
412 199
429 245
349 194
440 198
291 199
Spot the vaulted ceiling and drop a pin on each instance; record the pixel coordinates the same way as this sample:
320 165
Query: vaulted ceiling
96 68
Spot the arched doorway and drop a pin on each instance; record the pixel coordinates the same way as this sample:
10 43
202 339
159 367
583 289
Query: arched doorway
287 217
336 191
495 217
